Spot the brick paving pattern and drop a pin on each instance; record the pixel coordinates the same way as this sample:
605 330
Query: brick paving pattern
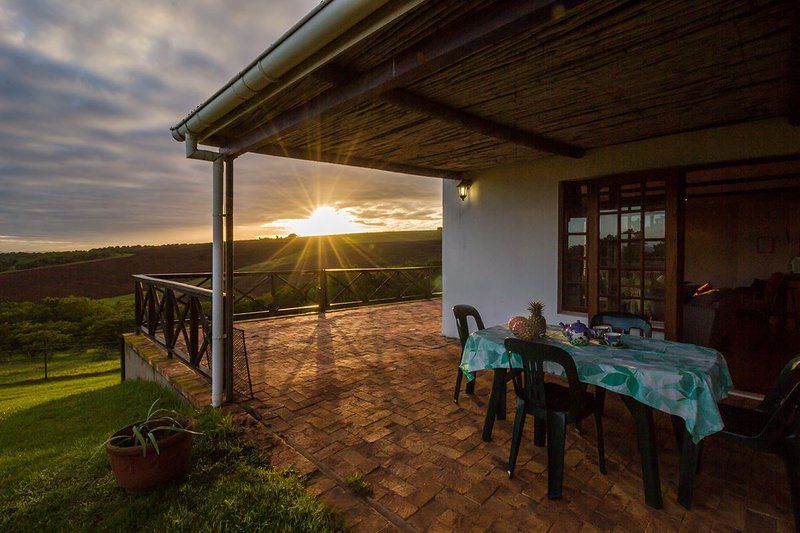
369 390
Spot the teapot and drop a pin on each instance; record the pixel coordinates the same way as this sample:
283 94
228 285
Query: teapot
577 333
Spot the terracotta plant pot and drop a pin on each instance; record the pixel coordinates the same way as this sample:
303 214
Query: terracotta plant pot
137 473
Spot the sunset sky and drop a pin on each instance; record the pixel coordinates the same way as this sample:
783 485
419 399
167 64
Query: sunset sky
88 91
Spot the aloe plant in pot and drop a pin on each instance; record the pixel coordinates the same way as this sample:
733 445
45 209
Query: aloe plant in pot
153 452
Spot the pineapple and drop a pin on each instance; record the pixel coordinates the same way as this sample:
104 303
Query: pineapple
537 324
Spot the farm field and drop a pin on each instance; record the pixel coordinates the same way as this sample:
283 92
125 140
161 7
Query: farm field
111 277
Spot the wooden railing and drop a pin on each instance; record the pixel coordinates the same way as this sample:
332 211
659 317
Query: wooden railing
275 293
174 309
173 314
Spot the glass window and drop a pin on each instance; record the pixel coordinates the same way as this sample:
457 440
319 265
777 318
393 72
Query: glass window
574 282
631 246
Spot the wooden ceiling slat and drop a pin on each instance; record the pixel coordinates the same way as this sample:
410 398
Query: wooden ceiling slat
507 17
610 72
427 107
354 160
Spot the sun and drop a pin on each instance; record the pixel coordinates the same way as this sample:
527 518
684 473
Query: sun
324 220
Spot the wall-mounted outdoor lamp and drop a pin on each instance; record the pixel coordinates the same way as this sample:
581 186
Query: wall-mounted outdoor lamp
463 189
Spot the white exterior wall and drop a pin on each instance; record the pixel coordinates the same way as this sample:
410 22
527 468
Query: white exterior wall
500 246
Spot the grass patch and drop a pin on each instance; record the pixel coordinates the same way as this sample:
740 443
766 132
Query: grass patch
359 485
59 365
56 477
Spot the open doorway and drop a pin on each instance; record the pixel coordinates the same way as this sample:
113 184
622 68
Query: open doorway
742 267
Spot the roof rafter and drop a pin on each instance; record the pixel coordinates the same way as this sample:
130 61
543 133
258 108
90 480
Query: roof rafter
421 104
454 43
354 161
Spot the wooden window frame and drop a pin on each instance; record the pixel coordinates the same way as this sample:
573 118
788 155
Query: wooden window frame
563 246
674 206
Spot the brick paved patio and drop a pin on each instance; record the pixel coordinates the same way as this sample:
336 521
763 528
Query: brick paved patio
369 390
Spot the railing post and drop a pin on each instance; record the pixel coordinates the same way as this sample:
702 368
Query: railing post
137 289
152 321
274 305
323 290
194 323
428 284
169 320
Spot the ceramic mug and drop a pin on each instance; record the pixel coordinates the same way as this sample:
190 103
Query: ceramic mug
613 339
600 331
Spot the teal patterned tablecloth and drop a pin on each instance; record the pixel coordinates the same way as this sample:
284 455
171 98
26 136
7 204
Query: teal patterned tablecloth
681 379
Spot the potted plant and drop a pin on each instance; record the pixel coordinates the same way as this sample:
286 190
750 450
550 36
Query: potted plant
152 452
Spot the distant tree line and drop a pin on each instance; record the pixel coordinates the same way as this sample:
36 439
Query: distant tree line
61 324
11 261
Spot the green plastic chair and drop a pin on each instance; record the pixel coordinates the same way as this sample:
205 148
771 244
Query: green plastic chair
772 427
462 314
553 406
623 322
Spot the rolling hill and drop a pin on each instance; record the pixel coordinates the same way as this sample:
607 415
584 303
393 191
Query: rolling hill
105 278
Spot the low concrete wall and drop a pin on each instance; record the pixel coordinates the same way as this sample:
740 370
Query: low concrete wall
146 360
137 367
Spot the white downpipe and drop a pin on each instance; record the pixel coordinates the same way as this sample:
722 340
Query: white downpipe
217 333
217 290
329 23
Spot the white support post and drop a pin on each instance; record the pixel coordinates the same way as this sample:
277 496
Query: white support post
217 323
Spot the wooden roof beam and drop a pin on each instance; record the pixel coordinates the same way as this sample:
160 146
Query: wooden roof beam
483 126
794 68
423 105
459 40
354 161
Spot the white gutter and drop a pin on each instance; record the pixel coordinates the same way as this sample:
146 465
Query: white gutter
327 23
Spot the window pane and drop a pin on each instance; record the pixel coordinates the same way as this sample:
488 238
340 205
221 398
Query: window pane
655 255
576 197
608 227
653 284
609 304
608 283
575 272
655 195
576 225
573 296
654 224
631 306
608 254
654 310
631 254
575 203
608 199
630 197
576 245
630 284
631 225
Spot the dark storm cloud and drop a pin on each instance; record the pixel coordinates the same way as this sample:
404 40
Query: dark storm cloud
87 94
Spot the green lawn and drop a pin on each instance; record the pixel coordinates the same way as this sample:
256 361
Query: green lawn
56 477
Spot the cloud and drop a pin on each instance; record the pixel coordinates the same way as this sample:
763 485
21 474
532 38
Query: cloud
87 96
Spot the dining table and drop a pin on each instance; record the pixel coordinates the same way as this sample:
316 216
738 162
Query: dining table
684 380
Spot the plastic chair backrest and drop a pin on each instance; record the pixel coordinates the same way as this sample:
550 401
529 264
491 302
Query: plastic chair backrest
782 403
462 313
623 322
530 383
